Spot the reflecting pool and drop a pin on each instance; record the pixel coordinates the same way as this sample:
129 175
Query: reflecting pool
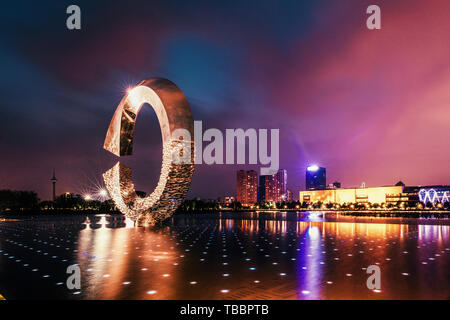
224 256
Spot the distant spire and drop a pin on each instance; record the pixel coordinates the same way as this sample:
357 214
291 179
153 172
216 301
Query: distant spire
53 180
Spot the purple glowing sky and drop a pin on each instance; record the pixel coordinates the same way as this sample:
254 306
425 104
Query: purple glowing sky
370 106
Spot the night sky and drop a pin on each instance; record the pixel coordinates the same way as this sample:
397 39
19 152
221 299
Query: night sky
370 106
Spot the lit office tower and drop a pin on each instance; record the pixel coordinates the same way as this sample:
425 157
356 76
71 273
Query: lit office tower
316 178
247 187
273 188
281 185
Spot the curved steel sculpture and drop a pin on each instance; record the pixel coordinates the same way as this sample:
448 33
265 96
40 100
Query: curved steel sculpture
173 112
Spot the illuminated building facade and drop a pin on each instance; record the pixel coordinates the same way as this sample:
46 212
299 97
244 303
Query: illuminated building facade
273 188
247 187
317 191
225 200
390 194
316 178
351 195
430 194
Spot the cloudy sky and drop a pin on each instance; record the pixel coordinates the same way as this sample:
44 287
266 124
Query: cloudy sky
370 106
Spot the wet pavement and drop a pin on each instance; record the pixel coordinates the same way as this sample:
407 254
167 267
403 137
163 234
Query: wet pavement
226 256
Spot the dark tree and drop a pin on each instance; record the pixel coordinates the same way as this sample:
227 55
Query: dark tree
18 200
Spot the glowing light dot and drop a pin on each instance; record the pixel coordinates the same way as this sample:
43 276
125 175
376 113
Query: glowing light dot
151 292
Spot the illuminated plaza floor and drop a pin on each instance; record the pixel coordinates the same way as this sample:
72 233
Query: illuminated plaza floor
207 257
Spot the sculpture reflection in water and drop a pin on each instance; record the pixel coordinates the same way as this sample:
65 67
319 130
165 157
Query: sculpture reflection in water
175 117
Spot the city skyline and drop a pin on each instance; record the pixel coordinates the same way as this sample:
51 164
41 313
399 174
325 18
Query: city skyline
250 184
369 106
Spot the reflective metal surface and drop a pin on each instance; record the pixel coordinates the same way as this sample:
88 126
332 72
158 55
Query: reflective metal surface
173 112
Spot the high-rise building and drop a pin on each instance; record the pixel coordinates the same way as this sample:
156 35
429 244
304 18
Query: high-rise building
316 178
264 190
351 195
241 186
247 187
281 185
273 187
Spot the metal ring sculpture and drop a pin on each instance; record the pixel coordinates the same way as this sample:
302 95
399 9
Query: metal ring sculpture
173 112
